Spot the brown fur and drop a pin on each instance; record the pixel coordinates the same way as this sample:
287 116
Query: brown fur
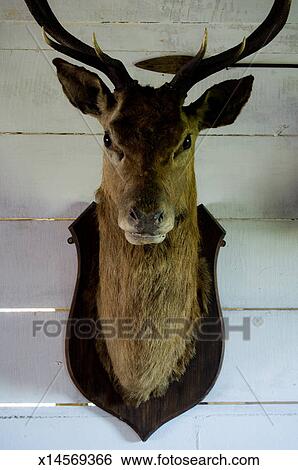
155 283
146 286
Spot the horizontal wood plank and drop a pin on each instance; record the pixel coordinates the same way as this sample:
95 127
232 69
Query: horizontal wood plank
257 269
56 176
248 177
38 266
32 99
150 10
85 428
48 175
32 363
156 37
257 428
256 366
200 428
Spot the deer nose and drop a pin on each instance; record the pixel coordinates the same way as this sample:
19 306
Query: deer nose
146 219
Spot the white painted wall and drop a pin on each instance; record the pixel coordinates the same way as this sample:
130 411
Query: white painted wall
247 176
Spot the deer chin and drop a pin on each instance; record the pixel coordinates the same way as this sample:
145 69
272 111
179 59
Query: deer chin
143 238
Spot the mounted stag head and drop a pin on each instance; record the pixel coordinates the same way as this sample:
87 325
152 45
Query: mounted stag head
148 194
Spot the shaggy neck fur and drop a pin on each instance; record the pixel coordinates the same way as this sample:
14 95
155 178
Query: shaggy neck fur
143 289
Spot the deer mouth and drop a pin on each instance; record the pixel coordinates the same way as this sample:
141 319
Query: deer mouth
136 238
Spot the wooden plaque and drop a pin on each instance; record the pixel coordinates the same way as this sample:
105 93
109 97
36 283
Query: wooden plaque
83 362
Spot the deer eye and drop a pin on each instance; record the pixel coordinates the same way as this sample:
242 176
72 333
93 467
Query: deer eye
187 142
107 140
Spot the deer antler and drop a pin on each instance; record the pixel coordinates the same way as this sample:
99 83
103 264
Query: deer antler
196 69
69 45
191 72
202 51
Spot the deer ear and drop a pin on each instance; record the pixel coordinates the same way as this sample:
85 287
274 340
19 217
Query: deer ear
222 103
84 89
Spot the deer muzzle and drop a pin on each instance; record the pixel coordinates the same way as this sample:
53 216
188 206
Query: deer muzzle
142 227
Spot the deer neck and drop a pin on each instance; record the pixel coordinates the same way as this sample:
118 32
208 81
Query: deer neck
144 280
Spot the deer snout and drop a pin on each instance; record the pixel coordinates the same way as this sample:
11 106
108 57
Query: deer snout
151 220
143 226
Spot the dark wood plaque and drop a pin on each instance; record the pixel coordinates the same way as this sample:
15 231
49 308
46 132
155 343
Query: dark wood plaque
83 362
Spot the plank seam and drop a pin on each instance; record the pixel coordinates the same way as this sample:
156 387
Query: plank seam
29 310
99 134
221 219
129 23
167 51
90 404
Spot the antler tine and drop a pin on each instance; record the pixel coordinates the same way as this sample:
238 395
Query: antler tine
202 51
99 52
67 44
197 69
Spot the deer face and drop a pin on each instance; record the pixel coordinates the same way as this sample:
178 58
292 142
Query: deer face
149 139
148 147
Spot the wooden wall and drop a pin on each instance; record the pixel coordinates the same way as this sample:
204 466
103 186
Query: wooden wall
247 176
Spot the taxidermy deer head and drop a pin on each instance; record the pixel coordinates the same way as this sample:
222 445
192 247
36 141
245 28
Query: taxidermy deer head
150 264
